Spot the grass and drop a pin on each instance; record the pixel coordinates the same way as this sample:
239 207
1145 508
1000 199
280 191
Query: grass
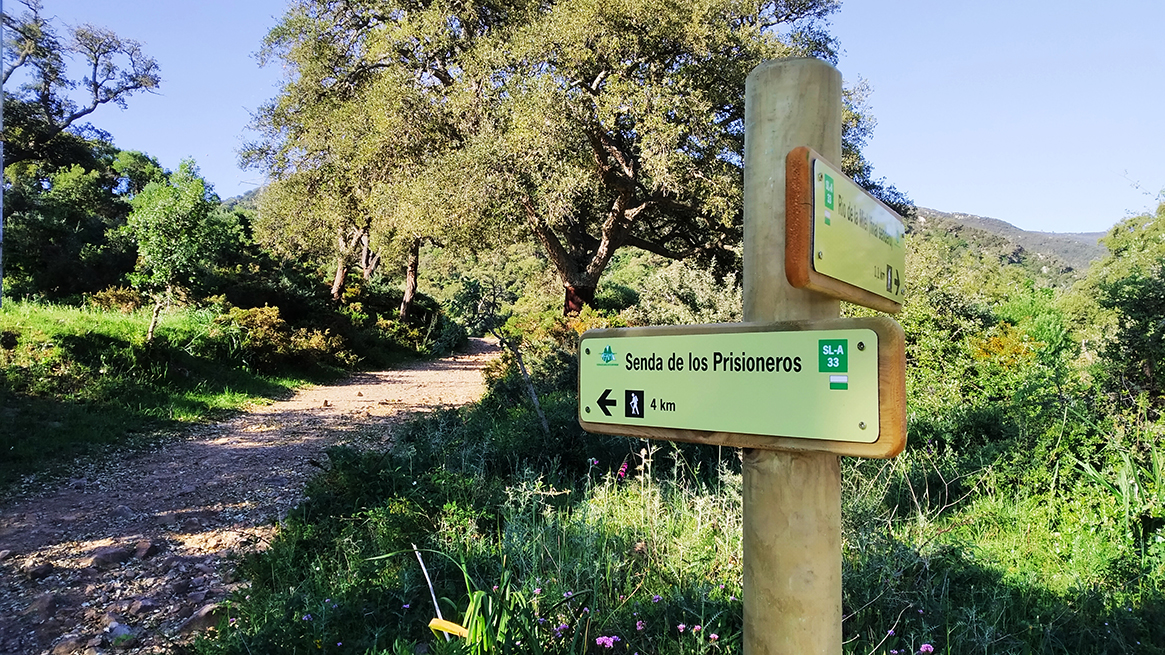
575 549
79 381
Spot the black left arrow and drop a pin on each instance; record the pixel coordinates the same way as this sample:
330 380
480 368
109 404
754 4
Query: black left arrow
605 402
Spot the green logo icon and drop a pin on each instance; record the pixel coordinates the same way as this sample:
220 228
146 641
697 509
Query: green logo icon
833 357
608 357
828 192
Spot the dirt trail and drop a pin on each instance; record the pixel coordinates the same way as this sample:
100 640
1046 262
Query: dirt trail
132 556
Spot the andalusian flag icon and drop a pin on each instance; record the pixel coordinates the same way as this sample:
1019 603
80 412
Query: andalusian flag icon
839 382
829 194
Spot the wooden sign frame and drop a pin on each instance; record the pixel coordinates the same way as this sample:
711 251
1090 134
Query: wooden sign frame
799 236
891 390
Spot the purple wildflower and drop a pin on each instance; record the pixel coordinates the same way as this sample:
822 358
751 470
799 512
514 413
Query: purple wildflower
713 637
307 617
696 629
656 598
926 648
640 625
405 606
623 470
682 627
567 594
538 591
607 642
890 632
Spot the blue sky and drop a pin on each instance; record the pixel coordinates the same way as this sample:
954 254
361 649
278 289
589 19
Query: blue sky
1045 114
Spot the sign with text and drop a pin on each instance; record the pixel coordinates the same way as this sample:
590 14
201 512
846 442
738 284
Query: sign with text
839 239
836 385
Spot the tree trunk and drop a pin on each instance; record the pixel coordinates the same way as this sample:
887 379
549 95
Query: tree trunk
369 259
576 297
341 276
406 301
154 321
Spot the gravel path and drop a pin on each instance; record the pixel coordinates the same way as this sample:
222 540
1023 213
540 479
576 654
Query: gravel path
132 556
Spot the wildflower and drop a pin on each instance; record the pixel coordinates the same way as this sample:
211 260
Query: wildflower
339 643
593 461
682 627
920 611
713 637
696 629
567 594
307 617
890 632
541 620
926 648
640 625
732 598
538 591
607 642
405 606
656 598
893 652
623 470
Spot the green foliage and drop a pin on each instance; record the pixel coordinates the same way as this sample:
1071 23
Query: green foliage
171 225
58 219
681 294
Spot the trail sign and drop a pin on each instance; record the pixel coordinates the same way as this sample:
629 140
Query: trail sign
835 385
840 240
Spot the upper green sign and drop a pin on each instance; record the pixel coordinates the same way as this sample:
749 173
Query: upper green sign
856 239
809 384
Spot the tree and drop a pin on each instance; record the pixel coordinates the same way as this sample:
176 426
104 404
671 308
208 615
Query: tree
38 115
580 124
61 220
1130 283
171 223
623 125
345 134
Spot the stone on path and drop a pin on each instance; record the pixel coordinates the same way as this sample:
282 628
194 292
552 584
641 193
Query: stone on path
206 617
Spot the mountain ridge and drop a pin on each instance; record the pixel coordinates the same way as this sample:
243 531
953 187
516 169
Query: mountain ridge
1062 253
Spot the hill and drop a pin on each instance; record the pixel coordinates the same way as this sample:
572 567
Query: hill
1063 256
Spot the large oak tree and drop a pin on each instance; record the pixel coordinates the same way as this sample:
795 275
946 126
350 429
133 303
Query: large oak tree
584 125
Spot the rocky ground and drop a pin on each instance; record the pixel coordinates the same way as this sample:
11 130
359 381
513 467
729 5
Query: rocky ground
135 555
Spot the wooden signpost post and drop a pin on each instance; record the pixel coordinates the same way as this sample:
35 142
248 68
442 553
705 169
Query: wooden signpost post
794 385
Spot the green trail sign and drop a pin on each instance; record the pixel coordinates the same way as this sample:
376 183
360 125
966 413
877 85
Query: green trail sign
840 240
835 385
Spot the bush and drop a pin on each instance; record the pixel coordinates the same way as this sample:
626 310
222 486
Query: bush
123 299
265 341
